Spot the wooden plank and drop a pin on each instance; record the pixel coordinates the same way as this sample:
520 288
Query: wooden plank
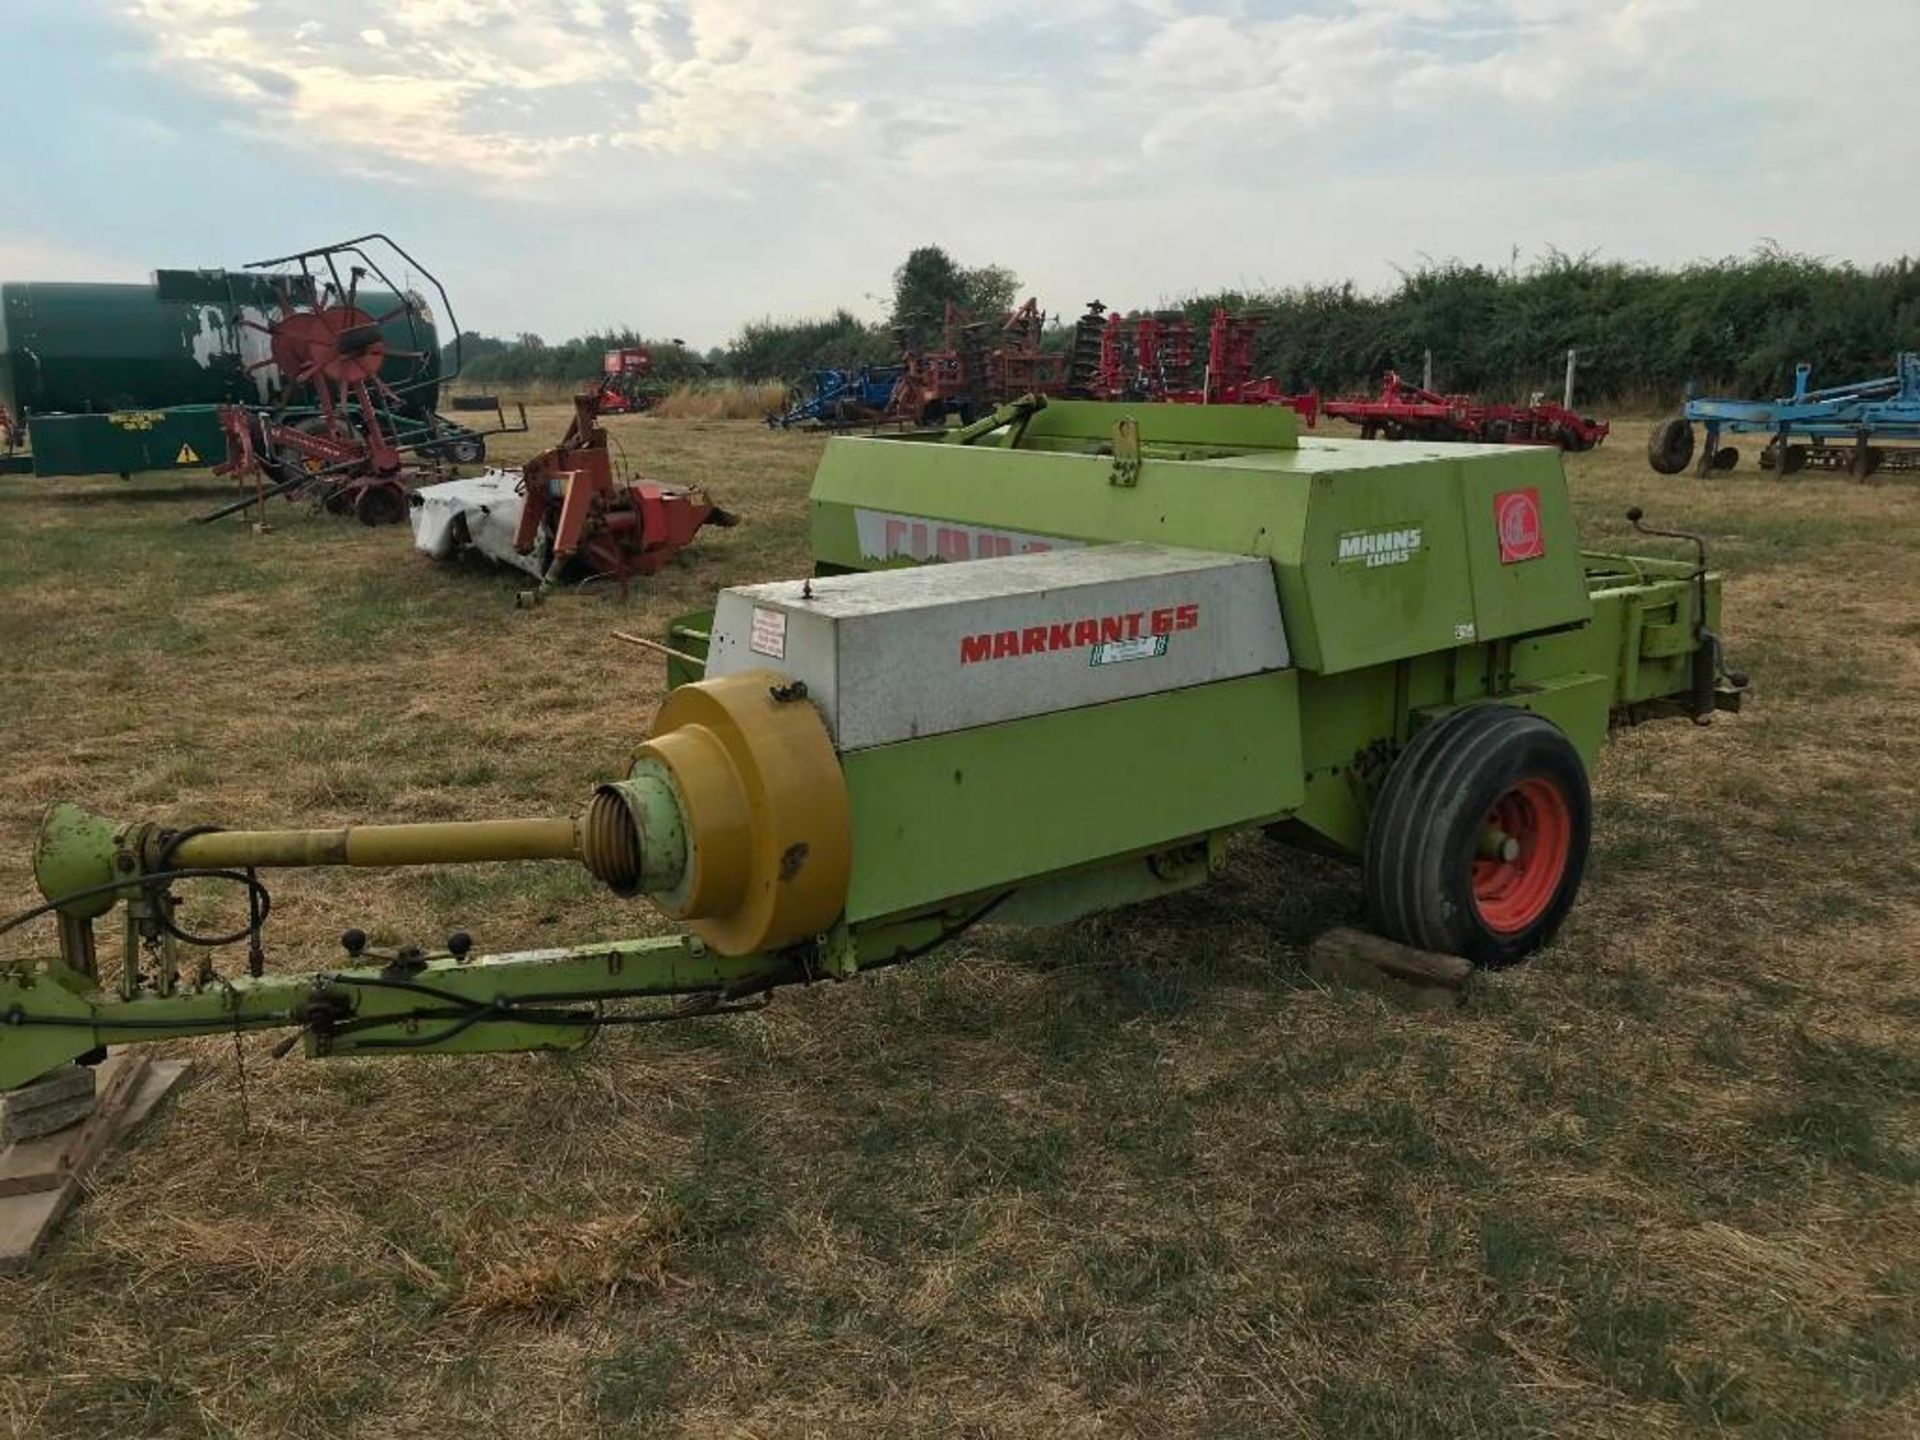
27 1223
1372 962
28 1218
46 1161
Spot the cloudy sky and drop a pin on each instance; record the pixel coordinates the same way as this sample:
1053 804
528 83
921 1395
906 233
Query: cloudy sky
686 165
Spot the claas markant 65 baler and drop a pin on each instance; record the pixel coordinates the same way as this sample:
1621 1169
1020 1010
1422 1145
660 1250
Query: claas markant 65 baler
1049 664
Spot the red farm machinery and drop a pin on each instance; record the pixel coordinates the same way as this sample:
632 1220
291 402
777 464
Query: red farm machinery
1151 357
627 384
978 365
356 373
1406 411
567 516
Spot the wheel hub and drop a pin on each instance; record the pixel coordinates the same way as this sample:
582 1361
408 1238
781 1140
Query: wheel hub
1524 849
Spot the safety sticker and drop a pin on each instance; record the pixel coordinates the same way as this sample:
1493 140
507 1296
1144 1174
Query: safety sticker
1516 516
186 456
768 634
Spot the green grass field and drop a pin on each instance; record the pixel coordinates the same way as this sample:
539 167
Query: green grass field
1137 1177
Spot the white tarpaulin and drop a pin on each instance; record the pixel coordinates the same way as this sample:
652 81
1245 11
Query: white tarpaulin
483 512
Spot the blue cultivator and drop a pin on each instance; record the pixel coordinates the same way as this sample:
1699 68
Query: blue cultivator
1846 427
841 398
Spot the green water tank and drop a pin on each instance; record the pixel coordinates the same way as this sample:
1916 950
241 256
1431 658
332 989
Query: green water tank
179 340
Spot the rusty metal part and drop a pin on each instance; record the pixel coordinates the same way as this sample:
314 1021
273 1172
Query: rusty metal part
578 510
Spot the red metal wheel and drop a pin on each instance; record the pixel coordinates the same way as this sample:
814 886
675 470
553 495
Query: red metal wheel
1524 855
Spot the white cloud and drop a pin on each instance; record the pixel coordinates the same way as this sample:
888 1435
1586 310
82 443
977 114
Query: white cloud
508 88
780 154
28 257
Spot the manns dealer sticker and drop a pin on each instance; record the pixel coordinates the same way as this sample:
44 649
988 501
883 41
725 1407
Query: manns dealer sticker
1373 548
1516 517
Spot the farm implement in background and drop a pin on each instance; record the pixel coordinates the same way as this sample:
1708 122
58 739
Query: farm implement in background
976 366
979 364
357 380
1406 411
306 373
627 384
840 398
874 760
1151 358
1844 427
566 515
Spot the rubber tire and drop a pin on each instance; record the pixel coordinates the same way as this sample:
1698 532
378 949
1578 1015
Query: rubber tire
380 505
1425 830
467 450
1670 444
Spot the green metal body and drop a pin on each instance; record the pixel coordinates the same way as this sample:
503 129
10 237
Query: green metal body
977 811
127 442
1384 639
89 367
1403 595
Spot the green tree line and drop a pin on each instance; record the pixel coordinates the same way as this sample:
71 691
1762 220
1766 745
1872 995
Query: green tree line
1735 326
526 359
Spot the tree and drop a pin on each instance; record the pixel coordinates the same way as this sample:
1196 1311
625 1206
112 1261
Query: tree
471 346
991 291
929 280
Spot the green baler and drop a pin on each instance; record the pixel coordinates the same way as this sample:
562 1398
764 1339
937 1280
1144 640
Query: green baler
1158 627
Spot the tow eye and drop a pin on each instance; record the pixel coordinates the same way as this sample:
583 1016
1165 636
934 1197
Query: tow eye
1709 660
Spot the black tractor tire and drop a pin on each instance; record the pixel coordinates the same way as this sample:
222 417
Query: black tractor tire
1479 838
382 504
1793 459
1670 444
466 450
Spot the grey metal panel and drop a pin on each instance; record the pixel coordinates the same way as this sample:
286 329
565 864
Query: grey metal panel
895 654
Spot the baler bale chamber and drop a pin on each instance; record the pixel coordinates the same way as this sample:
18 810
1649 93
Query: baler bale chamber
1157 629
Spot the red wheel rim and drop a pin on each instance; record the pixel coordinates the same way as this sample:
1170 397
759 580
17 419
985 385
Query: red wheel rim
1522 857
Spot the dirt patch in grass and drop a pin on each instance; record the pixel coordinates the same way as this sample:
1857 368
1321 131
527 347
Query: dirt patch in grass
1138 1176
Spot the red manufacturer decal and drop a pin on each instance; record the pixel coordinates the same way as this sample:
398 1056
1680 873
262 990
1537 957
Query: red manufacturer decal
1076 634
1516 514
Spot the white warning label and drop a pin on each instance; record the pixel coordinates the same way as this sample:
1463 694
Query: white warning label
768 633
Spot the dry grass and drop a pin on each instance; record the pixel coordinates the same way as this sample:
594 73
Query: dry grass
1135 1177
728 400
708 400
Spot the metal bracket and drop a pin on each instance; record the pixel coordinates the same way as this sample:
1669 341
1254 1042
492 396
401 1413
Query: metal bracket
1126 453
839 956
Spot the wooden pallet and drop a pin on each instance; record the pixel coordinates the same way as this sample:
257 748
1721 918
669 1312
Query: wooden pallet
40 1179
